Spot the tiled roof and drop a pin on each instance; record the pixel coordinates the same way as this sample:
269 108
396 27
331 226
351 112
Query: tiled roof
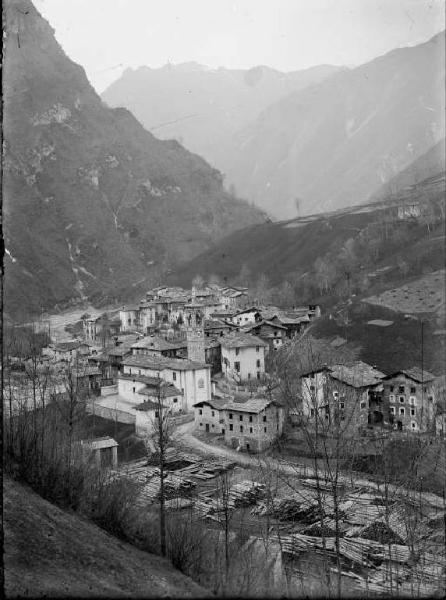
253 405
217 403
67 346
119 350
158 343
358 375
161 363
245 310
415 374
241 340
264 322
168 390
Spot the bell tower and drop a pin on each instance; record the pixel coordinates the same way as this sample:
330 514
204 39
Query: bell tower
194 333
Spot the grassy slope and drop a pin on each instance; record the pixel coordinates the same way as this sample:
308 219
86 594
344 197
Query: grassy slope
50 552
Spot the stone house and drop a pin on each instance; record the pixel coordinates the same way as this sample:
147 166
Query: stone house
147 316
272 333
252 425
70 351
410 401
209 415
243 356
216 327
154 345
342 397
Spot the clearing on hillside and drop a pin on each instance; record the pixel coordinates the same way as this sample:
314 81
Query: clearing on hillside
424 295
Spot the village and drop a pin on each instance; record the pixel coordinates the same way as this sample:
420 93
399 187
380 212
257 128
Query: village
193 374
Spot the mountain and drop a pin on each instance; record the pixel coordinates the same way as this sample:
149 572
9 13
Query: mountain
335 143
202 107
51 553
286 250
93 203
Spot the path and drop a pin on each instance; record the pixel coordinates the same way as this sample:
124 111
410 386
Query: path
183 436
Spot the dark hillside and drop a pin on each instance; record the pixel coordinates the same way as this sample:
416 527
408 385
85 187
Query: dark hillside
93 203
51 553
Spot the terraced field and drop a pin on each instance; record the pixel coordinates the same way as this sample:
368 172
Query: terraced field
424 295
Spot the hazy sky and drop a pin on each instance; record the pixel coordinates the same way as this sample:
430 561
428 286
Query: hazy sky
105 36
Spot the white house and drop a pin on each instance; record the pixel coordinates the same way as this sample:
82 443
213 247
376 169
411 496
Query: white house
146 415
248 316
242 356
192 378
129 317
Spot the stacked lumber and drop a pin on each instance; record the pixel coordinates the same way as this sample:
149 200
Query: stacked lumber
178 503
246 493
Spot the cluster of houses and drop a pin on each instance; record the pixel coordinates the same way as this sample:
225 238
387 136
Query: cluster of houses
204 352
353 397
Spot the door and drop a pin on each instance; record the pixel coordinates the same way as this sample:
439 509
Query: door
399 425
207 426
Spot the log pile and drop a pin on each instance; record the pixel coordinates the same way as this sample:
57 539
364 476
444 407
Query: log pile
245 493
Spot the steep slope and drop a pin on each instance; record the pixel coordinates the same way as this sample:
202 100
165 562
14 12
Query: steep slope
335 143
202 107
430 164
93 202
51 553
286 249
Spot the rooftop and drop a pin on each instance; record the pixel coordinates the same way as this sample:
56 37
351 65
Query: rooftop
100 442
415 374
241 340
358 375
167 390
132 307
158 343
161 363
253 405
149 405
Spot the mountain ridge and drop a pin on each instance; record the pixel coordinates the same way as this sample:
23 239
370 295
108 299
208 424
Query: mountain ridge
94 203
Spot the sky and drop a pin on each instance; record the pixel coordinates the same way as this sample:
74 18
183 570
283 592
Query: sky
107 36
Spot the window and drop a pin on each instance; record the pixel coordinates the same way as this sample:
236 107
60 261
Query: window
392 410
391 388
258 374
241 417
402 399
250 418
175 400
250 430
249 375
391 397
134 390
413 425
213 425
335 394
237 351
342 405
213 413
264 418
258 363
230 415
412 412
425 389
264 429
231 427
430 399
200 412
402 411
157 415
201 383
312 388
241 428
363 404
237 367
257 348
174 376
413 390
401 389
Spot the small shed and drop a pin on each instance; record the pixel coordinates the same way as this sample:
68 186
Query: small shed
104 450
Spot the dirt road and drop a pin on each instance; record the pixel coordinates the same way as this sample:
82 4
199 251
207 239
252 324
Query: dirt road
183 437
